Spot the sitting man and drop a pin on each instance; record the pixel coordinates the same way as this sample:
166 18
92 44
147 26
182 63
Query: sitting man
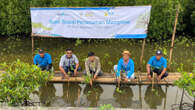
93 66
69 63
125 66
157 64
43 60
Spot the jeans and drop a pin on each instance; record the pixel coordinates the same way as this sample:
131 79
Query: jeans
71 69
47 68
158 72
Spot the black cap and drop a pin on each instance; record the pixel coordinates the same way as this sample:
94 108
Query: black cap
68 49
91 54
41 51
159 52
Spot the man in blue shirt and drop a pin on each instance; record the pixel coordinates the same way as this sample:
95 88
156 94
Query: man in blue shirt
43 60
157 64
125 66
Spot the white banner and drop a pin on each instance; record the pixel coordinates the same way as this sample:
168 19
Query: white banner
92 22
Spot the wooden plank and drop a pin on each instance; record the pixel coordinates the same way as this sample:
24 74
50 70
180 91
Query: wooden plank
109 79
109 74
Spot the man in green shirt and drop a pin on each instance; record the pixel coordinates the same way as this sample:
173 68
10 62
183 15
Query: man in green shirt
93 66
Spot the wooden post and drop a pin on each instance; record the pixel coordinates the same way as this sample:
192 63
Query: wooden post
173 36
152 81
142 54
139 77
32 38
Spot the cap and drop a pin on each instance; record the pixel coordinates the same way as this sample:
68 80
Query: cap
91 54
68 49
126 52
41 51
159 52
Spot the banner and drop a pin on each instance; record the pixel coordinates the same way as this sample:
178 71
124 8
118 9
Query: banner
91 22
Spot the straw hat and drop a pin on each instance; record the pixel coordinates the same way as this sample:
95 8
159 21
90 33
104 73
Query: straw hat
126 52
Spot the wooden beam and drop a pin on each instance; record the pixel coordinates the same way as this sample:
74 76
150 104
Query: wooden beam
109 79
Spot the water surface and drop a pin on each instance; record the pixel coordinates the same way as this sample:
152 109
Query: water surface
132 96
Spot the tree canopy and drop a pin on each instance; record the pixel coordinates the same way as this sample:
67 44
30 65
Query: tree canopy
15 15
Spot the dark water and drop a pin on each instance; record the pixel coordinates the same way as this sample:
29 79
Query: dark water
137 97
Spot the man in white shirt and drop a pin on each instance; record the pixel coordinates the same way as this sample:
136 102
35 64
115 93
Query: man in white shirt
69 63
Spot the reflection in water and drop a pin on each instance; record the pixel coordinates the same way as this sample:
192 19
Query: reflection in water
47 94
71 93
125 97
154 97
93 94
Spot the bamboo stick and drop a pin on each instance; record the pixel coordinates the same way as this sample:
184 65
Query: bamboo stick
152 80
142 54
173 36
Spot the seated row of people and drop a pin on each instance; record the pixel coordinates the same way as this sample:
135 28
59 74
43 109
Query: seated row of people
69 65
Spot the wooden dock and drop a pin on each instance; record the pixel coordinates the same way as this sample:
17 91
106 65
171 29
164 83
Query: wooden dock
141 79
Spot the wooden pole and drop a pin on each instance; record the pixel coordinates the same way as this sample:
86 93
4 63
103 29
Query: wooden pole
139 77
32 38
152 81
142 54
173 36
